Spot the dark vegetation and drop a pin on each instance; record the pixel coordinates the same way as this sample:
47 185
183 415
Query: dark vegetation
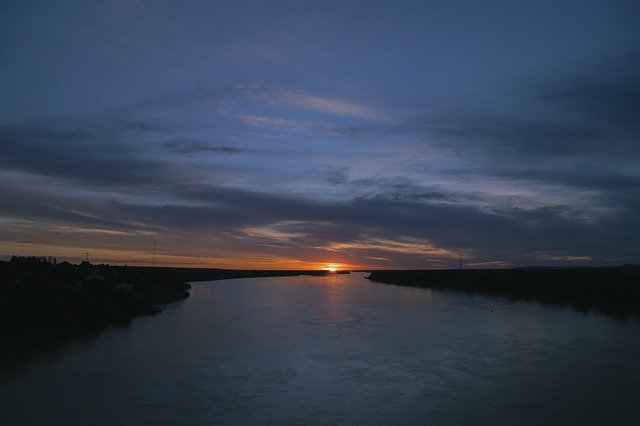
609 290
44 303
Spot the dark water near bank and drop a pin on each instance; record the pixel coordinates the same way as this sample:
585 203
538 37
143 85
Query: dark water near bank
337 349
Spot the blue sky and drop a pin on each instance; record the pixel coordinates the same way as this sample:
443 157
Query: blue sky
297 134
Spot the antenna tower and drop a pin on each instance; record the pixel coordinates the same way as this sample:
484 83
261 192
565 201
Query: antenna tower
153 259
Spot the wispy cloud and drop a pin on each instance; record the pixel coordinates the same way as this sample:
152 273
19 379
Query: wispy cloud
563 258
192 146
302 99
262 121
328 105
406 245
277 233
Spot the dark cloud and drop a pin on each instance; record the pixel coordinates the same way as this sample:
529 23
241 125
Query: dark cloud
508 234
411 192
92 155
391 208
574 177
519 139
20 204
337 175
610 95
191 146
589 116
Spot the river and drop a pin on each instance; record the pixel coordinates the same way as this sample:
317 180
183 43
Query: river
337 349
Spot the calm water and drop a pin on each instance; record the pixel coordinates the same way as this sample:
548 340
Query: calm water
337 349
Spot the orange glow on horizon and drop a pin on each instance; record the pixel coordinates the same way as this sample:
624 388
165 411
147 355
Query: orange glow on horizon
98 255
332 267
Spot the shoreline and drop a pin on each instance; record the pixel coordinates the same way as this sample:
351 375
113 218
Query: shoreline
45 304
613 291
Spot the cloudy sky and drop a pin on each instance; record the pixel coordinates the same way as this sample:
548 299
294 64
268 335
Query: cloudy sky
297 134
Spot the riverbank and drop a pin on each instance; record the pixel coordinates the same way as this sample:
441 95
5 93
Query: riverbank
609 290
319 350
44 304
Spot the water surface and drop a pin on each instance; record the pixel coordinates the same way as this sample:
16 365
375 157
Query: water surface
340 349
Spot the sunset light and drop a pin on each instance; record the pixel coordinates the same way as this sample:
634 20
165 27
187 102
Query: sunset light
314 212
332 267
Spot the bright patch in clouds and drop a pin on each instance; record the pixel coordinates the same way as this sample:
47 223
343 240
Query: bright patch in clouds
407 245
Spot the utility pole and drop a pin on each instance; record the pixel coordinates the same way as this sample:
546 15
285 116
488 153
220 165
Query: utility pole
86 258
460 262
153 258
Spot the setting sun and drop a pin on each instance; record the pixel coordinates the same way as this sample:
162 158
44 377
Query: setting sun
332 267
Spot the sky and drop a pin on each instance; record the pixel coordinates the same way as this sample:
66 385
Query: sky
302 134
